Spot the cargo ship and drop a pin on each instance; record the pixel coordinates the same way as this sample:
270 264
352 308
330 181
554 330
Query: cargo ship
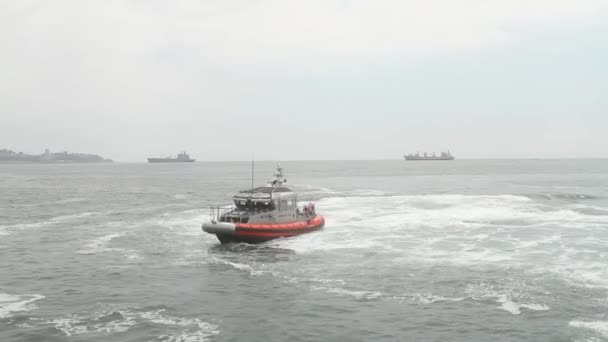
181 158
425 156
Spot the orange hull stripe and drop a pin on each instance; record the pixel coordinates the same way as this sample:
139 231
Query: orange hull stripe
282 226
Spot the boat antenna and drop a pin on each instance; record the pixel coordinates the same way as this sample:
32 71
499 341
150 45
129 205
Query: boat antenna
252 171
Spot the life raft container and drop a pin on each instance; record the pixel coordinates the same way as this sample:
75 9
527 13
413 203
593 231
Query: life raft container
260 232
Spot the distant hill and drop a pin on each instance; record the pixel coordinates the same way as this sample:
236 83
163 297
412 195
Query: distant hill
9 156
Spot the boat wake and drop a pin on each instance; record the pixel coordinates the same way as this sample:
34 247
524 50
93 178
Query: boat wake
466 230
600 327
46 223
11 304
176 329
102 245
511 295
517 241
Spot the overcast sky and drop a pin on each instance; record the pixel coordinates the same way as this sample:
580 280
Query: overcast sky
314 79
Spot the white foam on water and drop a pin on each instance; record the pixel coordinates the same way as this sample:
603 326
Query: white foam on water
371 193
429 298
66 218
75 326
69 326
70 200
511 298
508 305
444 210
191 257
24 326
239 266
369 222
190 329
535 307
325 240
342 288
201 335
8 298
10 304
187 222
588 339
106 323
49 222
100 244
352 293
422 298
337 286
548 240
468 230
600 327
333 286
329 281
60 201
577 270
132 255
197 330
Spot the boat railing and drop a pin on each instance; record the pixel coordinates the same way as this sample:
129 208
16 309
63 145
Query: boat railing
215 213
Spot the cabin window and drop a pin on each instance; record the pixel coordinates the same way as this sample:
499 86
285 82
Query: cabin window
242 204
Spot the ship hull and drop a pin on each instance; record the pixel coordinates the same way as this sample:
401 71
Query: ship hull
258 233
167 160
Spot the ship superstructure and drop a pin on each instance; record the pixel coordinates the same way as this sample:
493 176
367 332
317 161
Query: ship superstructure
181 158
425 156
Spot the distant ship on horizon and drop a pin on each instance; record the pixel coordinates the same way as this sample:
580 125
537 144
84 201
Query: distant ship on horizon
425 156
181 158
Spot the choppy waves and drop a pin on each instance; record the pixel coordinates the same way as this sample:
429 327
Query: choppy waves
599 327
177 329
11 304
100 244
103 244
44 223
522 241
377 248
467 230
510 296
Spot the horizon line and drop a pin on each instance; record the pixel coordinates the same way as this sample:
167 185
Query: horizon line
379 159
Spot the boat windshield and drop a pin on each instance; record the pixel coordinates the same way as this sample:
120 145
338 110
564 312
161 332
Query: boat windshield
255 206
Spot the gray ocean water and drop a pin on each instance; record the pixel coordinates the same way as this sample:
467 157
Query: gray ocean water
469 250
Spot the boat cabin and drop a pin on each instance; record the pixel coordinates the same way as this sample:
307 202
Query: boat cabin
266 199
273 202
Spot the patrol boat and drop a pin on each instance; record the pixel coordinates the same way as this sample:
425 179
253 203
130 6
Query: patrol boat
262 214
